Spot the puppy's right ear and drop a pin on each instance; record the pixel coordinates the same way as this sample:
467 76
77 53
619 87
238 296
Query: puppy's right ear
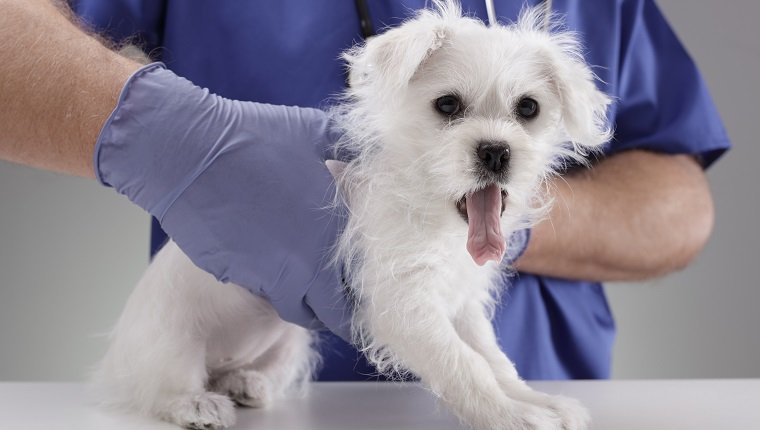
392 58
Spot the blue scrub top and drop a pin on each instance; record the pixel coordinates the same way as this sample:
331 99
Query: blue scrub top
286 52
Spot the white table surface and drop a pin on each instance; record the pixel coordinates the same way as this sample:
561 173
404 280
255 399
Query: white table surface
614 405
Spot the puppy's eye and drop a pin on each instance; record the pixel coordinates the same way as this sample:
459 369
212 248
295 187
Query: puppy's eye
448 105
527 108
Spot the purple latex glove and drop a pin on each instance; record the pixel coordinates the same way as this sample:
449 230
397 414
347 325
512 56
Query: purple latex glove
516 246
241 188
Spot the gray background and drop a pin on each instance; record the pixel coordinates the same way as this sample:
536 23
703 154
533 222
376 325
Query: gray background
71 251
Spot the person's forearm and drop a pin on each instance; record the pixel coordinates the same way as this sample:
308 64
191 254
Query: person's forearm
635 215
57 87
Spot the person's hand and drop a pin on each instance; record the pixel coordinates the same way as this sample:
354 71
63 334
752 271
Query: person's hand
241 187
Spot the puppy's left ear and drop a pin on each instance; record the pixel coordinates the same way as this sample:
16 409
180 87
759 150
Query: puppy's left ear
584 106
393 57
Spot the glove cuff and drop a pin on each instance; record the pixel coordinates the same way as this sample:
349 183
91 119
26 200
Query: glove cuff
516 246
114 116
163 133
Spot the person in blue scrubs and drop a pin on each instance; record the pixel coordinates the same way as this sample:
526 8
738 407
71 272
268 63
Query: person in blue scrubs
287 53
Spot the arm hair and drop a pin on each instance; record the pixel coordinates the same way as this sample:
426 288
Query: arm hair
58 85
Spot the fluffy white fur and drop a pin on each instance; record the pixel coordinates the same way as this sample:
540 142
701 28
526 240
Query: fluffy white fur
187 347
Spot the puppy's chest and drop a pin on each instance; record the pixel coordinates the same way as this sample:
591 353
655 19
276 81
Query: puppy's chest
461 285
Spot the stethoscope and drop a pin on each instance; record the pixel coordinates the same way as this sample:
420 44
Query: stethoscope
367 30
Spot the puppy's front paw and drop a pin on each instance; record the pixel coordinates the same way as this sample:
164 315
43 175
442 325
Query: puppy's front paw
531 417
573 414
246 387
204 411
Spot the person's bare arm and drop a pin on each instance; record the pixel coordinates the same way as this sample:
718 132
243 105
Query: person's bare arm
57 87
634 215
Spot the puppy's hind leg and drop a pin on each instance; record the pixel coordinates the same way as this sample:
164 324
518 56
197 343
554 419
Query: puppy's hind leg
284 368
167 382
185 400
155 364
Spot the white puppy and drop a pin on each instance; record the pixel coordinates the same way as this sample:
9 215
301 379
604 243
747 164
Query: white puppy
455 127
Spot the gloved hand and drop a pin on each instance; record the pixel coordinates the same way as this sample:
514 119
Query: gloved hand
240 187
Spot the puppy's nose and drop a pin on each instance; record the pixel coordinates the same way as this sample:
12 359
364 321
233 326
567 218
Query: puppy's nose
494 155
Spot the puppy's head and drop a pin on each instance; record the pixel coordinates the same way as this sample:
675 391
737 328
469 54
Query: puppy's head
479 115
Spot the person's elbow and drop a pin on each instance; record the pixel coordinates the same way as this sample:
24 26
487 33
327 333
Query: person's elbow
696 230
688 225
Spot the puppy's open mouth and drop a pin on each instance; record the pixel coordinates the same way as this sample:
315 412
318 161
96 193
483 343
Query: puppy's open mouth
461 205
482 211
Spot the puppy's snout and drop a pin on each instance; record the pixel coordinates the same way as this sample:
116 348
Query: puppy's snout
494 156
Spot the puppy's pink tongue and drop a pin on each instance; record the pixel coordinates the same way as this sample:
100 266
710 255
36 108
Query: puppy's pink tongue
484 239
